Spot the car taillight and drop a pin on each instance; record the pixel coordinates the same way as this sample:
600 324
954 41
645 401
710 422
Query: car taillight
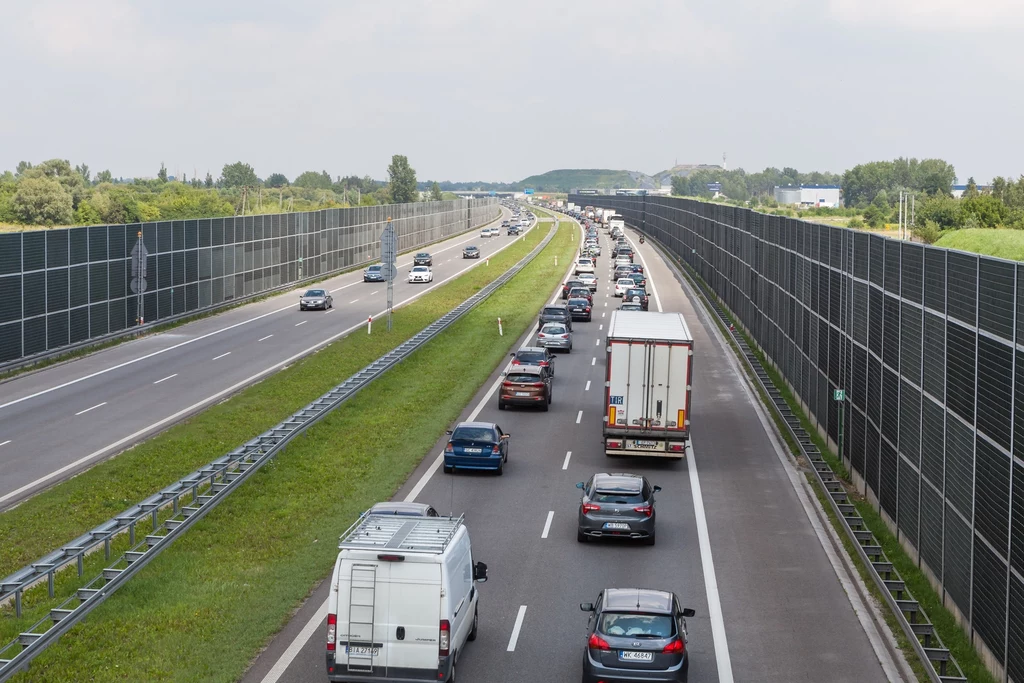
516 362
596 642
588 309
332 629
537 384
675 647
590 507
444 639
543 364
449 449
564 336
495 449
646 509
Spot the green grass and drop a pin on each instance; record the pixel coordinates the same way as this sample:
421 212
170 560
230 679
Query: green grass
1008 244
952 635
67 510
205 607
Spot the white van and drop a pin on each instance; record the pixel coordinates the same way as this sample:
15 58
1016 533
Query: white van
403 600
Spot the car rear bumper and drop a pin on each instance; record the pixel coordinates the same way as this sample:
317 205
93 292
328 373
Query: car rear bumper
337 671
594 671
593 527
470 462
555 343
581 316
523 400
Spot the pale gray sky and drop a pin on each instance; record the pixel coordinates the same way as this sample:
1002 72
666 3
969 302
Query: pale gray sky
474 90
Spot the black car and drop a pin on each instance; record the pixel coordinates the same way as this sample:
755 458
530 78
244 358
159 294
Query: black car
471 252
555 314
316 298
422 259
640 279
571 284
514 230
534 355
580 309
637 296
636 634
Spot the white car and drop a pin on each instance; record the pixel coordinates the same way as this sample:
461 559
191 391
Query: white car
495 232
423 274
623 284
584 265
623 261
590 280
486 232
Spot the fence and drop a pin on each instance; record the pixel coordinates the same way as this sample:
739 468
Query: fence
59 288
928 345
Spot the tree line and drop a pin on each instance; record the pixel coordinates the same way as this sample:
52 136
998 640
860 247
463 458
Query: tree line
56 193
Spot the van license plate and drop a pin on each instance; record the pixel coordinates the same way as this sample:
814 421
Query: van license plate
616 526
631 656
362 650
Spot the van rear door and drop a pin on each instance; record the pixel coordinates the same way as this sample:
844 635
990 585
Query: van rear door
363 603
413 619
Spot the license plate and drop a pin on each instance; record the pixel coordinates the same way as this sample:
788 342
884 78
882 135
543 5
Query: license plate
473 450
522 393
632 656
363 650
617 526
645 444
577 310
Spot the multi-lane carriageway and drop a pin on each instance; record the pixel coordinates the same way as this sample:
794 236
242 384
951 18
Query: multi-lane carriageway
740 538
65 418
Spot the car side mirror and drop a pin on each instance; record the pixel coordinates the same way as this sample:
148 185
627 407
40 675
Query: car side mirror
688 612
657 488
589 606
448 432
580 485
480 573
512 355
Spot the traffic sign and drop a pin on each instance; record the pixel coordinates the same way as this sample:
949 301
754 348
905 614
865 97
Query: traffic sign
839 395
388 271
388 245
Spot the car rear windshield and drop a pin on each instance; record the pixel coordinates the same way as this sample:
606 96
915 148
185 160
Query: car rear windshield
631 625
474 434
636 292
554 311
423 254
623 497
531 356
522 378
553 329
578 302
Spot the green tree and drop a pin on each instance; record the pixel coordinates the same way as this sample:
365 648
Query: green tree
939 208
435 192
972 189
238 175
881 200
987 211
117 204
402 185
314 181
86 214
42 201
22 167
874 216
104 177
83 170
276 180
162 173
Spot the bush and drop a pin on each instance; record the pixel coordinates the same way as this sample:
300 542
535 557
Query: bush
928 232
855 223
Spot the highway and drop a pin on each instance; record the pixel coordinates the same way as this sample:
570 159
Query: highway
740 539
62 419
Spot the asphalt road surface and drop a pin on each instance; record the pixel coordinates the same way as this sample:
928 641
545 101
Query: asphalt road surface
63 419
737 538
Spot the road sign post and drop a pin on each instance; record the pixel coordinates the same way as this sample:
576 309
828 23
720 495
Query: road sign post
138 284
839 396
388 259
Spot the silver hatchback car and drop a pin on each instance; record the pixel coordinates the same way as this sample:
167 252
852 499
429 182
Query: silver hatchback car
555 336
617 505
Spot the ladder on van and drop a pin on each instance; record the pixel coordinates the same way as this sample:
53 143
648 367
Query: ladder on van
362 595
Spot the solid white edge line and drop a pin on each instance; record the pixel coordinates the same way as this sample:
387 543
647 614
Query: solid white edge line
514 638
710 579
587 388
579 416
202 336
317 619
221 356
83 412
265 338
166 378
565 463
547 524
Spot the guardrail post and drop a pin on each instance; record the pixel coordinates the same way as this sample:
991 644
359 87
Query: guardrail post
17 603
81 565
49 582
106 547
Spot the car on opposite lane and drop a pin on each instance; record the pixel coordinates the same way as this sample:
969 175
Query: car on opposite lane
526 385
580 308
421 274
618 505
423 259
316 298
471 252
485 232
555 336
373 273
636 634
476 446
534 355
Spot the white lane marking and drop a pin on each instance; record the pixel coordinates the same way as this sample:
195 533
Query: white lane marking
302 323
83 412
317 620
606 304
579 416
650 280
5 442
602 314
353 301
166 378
265 338
547 524
587 388
593 361
516 629
374 292
710 579
600 327
565 464
597 342
194 340
338 289
221 356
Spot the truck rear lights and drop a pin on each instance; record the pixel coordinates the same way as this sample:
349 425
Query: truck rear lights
614 444
332 631
444 638
677 447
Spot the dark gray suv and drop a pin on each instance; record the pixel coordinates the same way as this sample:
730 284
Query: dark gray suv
636 634
556 313
617 505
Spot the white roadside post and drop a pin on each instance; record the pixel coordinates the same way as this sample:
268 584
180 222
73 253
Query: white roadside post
369 323
501 332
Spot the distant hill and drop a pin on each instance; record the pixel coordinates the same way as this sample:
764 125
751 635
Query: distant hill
565 179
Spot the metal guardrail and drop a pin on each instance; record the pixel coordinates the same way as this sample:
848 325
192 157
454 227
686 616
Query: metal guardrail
939 662
204 489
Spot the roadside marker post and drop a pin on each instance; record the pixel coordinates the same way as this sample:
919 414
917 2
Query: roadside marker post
369 324
501 333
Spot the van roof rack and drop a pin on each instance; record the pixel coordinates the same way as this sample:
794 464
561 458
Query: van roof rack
392 532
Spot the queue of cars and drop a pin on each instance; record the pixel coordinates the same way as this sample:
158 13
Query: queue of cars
419 566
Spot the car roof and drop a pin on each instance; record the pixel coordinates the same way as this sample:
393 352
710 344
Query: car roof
527 369
419 268
485 425
554 307
629 279
540 349
471 247
643 599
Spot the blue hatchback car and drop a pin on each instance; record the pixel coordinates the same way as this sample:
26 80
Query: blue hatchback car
373 274
476 446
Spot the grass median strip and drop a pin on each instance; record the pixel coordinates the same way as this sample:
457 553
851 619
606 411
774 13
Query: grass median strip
67 510
204 607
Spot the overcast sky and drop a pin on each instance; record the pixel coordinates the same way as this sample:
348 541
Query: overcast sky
475 90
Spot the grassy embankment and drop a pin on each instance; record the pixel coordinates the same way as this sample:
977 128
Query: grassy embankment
206 606
69 509
1008 244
